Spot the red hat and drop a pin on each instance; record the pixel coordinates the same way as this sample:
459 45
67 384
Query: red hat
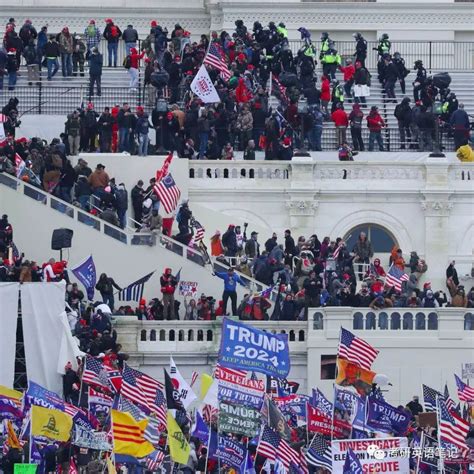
257 105
92 21
189 73
21 140
287 141
177 56
90 105
427 285
241 57
12 50
250 67
147 60
169 115
231 226
108 20
153 23
143 302
140 109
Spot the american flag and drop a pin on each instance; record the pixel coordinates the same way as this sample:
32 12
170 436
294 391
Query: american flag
465 393
134 291
198 232
168 192
453 429
95 373
152 432
215 58
429 397
194 377
140 388
336 251
394 278
281 89
448 400
154 460
160 408
356 350
319 452
272 446
129 407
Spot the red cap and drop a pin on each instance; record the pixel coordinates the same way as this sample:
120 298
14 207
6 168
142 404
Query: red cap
140 109
169 115
287 141
154 23
12 50
92 21
21 140
90 105
250 67
147 60
427 284
108 20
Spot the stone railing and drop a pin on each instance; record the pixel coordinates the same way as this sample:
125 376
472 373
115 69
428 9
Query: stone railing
457 323
262 170
194 336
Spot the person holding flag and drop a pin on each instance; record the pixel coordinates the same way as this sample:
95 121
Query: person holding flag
168 287
230 288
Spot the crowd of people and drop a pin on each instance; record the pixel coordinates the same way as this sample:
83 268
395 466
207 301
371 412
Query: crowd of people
258 63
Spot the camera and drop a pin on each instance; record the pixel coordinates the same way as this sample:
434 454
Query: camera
246 224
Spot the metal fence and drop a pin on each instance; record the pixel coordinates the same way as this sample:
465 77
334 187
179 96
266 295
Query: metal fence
436 55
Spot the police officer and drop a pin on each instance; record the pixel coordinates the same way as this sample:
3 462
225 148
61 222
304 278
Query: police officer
384 45
361 48
324 44
420 80
401 69
330 61
337 95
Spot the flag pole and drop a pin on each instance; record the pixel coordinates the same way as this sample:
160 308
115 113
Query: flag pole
441 459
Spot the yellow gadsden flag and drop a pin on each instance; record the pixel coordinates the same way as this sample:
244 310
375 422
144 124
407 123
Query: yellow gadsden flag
179 447
53 424
10 393
350 374
128 435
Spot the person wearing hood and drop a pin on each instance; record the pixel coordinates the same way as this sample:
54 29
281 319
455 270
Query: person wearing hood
105 286
375 123
285 151
92 35
355 120
27 33
142 128
134 66
429 301
112 34
12 67
66 49
403 115
30 53
121 199
168 286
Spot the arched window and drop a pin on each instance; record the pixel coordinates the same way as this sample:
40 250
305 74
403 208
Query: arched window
381 239
143 335
152 335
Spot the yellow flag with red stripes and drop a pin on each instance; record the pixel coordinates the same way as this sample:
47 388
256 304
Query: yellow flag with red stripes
128 435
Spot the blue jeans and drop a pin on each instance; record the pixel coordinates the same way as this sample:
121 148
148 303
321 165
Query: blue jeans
124 139
112 49
66 64
315 137
375 136
128 47
53 67
11 80
108 299
203 139
65 193
122 217
84 202
143 141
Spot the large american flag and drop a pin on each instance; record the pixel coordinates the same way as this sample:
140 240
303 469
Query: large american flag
140 388
273 447
168 193
319 452
429 396
394 278
453 429
95 373
356 350
215 58
465 393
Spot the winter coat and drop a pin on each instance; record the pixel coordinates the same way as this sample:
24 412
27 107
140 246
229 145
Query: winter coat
363 249
130 35
51 50
65 43
375 122
244 121
339 117
95 64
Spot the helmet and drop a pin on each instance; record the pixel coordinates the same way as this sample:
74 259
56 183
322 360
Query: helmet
281 25
397 55
357 36
418 63
324 35
384 36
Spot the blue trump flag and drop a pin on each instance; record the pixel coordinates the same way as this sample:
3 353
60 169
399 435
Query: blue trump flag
352 464
245 347
201 430
382 416
230 452
87 275
319 401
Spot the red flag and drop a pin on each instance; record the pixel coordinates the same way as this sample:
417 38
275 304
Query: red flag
320 422
72 467
164 169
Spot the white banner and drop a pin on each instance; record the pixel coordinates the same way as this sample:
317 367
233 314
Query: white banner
188 288
8 323
388 455
468 370
203 87
49 344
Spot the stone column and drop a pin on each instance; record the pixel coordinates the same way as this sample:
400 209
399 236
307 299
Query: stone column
302 203
437 207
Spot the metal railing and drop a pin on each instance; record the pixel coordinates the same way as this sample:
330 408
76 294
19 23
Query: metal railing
436 55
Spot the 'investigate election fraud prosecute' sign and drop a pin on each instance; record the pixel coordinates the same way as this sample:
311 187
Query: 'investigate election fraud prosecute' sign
245 347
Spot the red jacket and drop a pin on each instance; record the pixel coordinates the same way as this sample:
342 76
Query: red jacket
375 122
325 90
348 72
135 58
339 117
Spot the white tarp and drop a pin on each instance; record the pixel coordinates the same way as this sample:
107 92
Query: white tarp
8 323
49 344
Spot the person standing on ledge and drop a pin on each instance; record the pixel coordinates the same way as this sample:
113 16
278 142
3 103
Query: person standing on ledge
230 288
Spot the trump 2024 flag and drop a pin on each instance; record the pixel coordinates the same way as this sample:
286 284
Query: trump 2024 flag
203 87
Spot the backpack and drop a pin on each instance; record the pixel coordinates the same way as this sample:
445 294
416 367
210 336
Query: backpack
90 31
127 62
114 31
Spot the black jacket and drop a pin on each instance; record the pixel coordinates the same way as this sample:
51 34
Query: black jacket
51 50
130 35
95 64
